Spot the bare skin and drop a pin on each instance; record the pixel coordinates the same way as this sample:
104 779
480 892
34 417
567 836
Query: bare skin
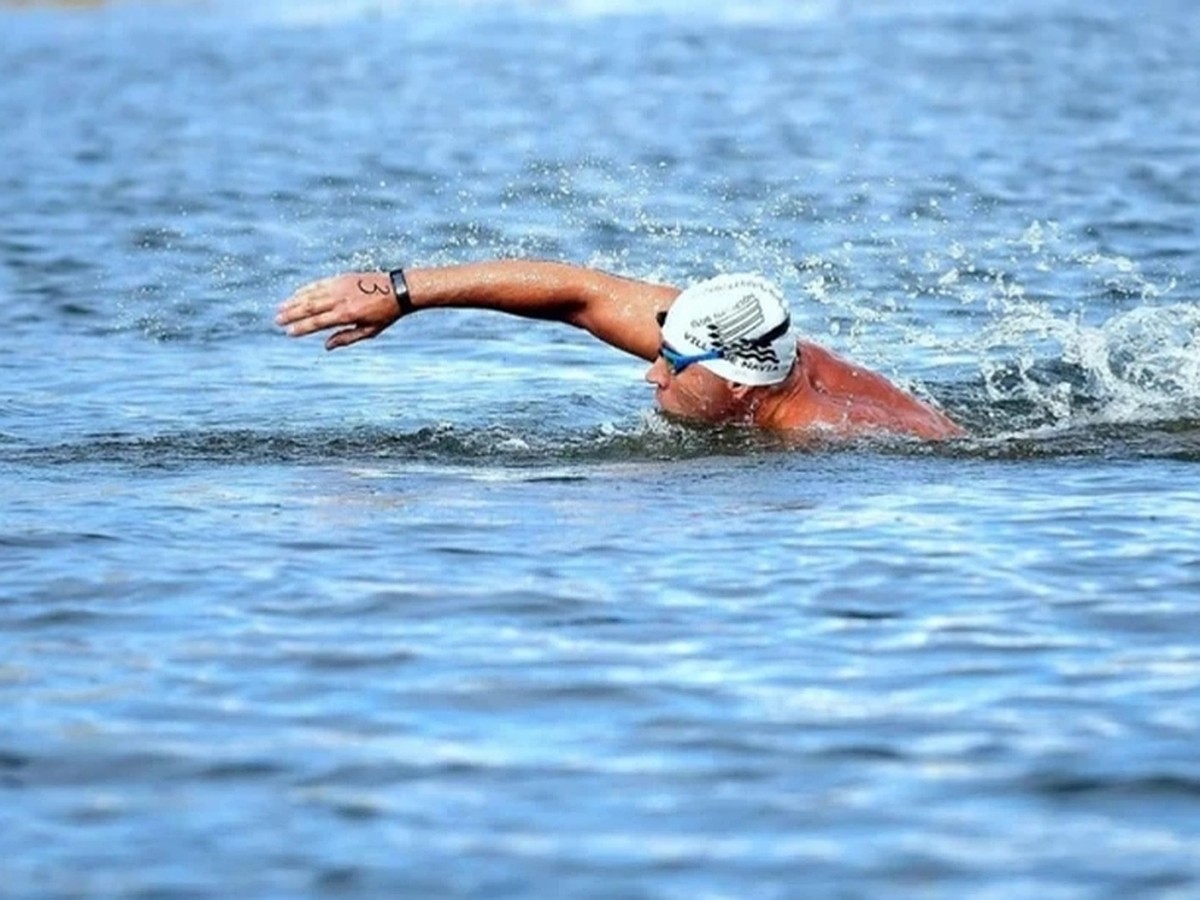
823 392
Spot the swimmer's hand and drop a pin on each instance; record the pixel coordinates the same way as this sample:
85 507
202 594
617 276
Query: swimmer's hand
359 305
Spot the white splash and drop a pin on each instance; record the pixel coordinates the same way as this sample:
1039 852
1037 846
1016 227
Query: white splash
1082 357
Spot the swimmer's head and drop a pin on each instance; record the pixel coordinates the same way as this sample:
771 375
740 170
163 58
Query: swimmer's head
736 326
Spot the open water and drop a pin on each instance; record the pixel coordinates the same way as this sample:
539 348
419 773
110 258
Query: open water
455 613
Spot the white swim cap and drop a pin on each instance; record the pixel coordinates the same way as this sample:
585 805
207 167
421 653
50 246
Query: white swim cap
745 318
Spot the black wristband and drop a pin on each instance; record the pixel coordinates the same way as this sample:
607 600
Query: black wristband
400 288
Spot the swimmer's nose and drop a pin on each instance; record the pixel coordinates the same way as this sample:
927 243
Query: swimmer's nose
657 373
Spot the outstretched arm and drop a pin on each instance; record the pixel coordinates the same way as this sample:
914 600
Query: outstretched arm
360 305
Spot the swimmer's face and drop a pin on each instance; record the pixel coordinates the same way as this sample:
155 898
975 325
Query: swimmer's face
695 393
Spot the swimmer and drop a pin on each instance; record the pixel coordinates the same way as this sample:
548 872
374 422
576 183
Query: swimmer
722 351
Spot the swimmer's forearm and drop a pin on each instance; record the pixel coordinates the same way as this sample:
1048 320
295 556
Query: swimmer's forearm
537 290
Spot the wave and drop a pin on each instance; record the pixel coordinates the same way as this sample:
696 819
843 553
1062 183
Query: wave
444 443
1012 429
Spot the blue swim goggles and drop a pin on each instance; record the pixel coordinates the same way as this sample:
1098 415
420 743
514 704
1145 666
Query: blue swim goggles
677 361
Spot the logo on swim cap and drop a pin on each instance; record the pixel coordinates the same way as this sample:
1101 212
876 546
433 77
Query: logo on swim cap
743 317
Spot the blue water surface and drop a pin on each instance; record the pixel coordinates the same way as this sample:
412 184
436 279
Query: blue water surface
456 612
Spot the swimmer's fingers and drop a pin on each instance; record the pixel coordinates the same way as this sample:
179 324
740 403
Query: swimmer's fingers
319 322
